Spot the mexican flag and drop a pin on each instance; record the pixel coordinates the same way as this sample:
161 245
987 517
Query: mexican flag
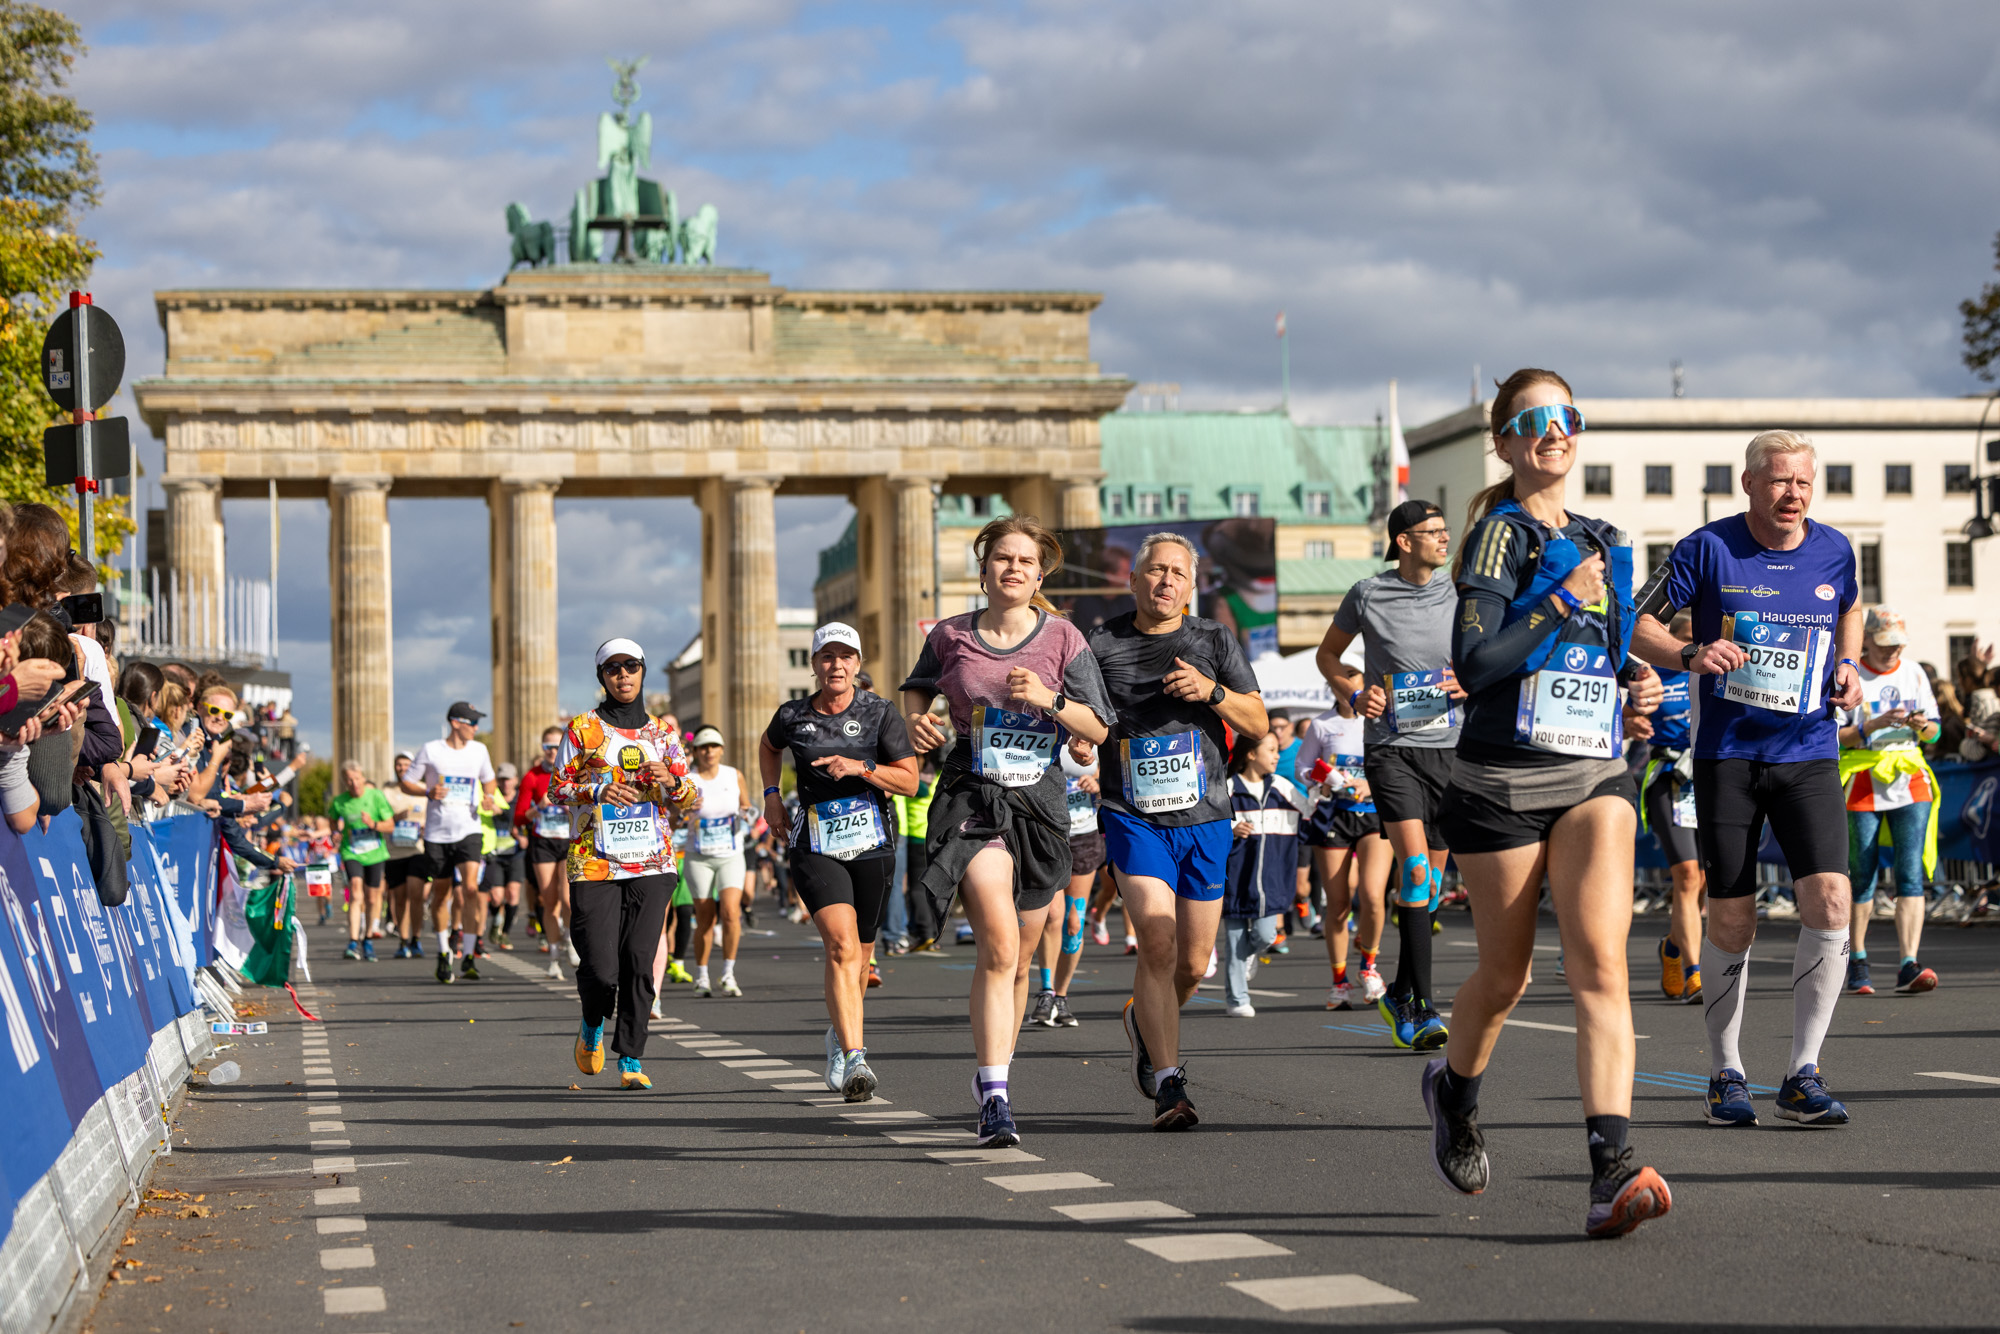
267 914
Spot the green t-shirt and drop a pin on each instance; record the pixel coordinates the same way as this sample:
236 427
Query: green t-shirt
353 816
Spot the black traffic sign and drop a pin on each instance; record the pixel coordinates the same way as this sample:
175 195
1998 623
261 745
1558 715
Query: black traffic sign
107 358
110 451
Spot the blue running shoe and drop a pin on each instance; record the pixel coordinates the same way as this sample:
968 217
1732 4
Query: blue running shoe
1858 981
1396 1014
1803 1098
416 949
1729 1100
996 1125
1431 1034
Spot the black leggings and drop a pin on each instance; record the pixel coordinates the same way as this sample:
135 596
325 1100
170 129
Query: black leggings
917 856
1802 800
862 884
684 931
615 926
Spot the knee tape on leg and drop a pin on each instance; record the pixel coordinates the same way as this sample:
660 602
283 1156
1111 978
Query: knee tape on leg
1072 941
1416 890
1437 886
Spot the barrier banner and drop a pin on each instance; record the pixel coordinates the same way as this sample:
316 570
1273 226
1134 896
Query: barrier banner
42 1110
157 901
1969 811
187 845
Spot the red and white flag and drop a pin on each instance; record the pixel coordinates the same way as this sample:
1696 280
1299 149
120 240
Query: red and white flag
1281 324
1399 450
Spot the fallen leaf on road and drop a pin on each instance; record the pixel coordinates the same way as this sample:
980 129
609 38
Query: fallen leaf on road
560 1161
573 1086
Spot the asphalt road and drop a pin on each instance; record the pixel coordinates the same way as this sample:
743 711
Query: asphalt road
469 1178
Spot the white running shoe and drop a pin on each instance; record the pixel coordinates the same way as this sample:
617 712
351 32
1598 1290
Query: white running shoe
656 1008
1373 988
1337 996
569 948
1100 933
1241 1012
729 987
555 970
1211 966
836 1061
701 986
1250 969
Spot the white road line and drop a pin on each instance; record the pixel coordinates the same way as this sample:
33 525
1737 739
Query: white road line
329 1226
1022 1185
870 1118
327 1128
928 1136
1185 1247
816 1084
348 1257
337 1195
981 1157
320 1109
762 1061
332 1144
1119 1211
706 1042
1953 1074
322 1083
332 1166
731 1051
1282 995
1320 1292
783 1072
354 1301
834 1101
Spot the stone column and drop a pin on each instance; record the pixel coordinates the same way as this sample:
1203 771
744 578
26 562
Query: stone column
750 619
911 577
364 719
523 547
1076 504
195 558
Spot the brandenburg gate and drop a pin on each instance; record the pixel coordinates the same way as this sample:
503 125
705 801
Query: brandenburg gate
621 379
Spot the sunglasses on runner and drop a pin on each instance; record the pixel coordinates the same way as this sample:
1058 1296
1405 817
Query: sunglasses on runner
623 667
1533 423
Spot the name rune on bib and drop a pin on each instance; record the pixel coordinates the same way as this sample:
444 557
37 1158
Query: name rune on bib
1782 664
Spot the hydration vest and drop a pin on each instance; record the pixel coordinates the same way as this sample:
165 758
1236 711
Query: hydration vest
1554 558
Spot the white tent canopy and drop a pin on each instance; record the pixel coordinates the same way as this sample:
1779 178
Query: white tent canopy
1293 683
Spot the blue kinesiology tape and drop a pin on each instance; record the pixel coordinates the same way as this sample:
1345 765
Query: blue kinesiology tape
1416 882
1072 937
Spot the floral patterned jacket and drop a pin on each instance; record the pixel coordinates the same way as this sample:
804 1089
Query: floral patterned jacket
594 755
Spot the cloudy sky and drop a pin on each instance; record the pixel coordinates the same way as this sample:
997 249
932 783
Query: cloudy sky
1790 198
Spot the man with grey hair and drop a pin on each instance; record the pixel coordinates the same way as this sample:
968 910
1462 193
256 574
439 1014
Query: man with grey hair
1776 630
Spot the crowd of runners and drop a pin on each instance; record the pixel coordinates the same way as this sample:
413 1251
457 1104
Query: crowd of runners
1514 708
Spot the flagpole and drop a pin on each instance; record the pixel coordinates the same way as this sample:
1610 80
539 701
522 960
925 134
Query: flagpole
1284 366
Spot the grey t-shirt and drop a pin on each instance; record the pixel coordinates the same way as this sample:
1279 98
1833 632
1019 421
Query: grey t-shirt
1404 627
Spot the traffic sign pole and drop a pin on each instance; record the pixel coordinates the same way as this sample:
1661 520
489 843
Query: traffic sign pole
86 485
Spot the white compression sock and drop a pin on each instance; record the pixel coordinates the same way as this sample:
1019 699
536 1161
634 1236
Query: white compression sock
729 967
1725 977
444 942
1819 970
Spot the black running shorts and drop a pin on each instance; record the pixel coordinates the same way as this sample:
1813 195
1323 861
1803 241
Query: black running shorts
547 851
1678 843
1408 783
370 876
1086 853
862 884
440 861
1802 800
1480 824
1327 827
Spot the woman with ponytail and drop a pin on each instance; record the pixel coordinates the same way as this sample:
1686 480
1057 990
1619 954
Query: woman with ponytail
1019 680
1540 645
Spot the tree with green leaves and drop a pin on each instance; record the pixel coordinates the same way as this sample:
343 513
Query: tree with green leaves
48 177
1982 326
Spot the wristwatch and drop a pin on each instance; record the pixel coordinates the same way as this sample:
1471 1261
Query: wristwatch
1687 655
867 766
1059 703
1215 696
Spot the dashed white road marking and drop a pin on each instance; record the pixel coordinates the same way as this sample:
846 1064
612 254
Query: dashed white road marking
1119 1211
348 1257
759 1061
981 1157
354 1301
1021 1185
326 1128
834 1101
329 1226
333 1144
815 1084
729 1051
332 1166
1186 1247
871 1118
1319 1292
928 1136
782 1072
337 1195
1281 995
1953 1074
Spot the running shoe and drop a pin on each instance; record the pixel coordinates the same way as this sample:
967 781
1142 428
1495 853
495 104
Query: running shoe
675 972
416 949
1044 1010
1278 945
1250 967
1099 933
444 967
1691 993
1559 965
1803 1098
857 1081
479 948
1396 1014
655 1012
469 970
996 1125
836 1060
1431 1033
1337 997
368 952
1244 1011
1673 971
1624 1197
728 985
964 935
1858 983
500 941
1142 1064
1211 967
353 951
701 985
1458 1150
1914 977
569 948
1373 988
545 947
1171 1108
874 974
630 1076
403 950
555 970
1064 1019
1729 1100
590 1049
1131 946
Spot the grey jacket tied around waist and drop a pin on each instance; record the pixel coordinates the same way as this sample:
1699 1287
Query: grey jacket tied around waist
970 811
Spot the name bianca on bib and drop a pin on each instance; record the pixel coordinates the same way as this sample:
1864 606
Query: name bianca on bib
1783 664
1419 701
1570 707
1012 749
1163 773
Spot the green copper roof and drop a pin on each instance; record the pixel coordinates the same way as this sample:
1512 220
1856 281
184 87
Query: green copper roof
1329 577
1215 455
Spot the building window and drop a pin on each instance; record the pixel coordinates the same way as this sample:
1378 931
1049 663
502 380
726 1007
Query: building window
1958 479
1656 555
1375 549
798 657
1715 480
1958 648
799 692
1319 550
1958 565
1180 504
1597 479
1840 479
1147 504
1871 572
981 507
1659 479
1319 504
1114 504
1896 479
1243 504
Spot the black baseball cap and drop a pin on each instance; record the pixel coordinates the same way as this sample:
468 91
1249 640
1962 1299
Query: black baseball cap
1405 517
462 712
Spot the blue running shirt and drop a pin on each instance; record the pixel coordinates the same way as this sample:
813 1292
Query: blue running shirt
1670 720
1720 569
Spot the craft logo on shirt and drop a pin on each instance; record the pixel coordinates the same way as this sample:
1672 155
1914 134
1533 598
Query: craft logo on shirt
1763 591
1824 592
1760 632
851 728
1576 657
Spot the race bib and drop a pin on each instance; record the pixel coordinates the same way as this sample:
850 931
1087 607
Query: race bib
717 837
1082 809
1683 804
628 833
460 790
1572 709
1418 702
1164 773
1012 749
552 822
1782 667
1283 822
1348 773
406 834
845 827
361 842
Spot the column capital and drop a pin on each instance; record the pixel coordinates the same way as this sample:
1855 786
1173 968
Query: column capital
745 481
191 482
531 483
358 481
908 481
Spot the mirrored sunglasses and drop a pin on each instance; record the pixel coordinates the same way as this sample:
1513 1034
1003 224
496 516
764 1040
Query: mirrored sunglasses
1533 423
624 667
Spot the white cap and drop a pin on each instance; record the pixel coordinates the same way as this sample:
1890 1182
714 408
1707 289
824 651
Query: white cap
836 632
625 646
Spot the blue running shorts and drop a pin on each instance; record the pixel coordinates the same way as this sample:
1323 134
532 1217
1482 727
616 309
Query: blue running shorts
1190 858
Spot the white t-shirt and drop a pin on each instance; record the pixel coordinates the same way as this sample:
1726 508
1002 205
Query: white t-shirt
721 799
1327 737
1905 687
95 668
465 773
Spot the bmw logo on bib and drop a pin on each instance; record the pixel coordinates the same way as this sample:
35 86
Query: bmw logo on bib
1760 632
1576 658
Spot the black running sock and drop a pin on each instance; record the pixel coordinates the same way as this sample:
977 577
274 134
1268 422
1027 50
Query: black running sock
1458 1094
507 917
1413 959
684 930
1607 1141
